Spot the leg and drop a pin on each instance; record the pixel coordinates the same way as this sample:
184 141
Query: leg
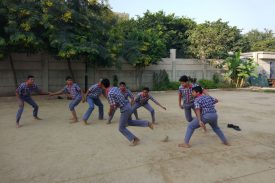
89 111
111 117
152 111
30 101
124 117
134 109
194 124
72 105
188 112
136 114
212 119
19 112
100 108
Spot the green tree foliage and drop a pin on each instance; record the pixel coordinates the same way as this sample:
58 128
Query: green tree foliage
172 29
261 41
238 70
215 40
139 47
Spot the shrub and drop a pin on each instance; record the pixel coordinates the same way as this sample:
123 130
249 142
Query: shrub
208 84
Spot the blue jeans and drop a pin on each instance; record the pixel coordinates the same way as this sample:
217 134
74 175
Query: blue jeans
92 102
30 101
113 113
188 111
125 120
74 103
146 106
212 119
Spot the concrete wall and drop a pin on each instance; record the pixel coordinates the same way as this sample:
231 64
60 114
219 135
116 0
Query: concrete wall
50 73
264 60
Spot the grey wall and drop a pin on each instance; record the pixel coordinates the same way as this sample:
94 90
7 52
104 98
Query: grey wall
50 73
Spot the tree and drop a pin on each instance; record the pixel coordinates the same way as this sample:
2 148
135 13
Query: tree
21 29
215 40
173 30
138 47
238 70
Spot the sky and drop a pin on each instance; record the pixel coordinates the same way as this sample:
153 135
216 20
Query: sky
245 14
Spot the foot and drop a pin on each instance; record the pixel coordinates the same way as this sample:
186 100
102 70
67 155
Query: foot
155 123
74 121
184 145
151 126
109 122
102 119
226 143
85 122
17 125
135 141
37 118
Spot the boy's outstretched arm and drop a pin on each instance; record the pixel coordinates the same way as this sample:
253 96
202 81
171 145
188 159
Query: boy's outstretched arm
56 93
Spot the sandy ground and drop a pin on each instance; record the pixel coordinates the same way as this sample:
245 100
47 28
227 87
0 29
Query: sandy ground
54 151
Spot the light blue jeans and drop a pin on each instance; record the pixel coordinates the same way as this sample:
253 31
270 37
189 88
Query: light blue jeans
126 120
92 102
74 103
30 101
188 107
146 106
212 119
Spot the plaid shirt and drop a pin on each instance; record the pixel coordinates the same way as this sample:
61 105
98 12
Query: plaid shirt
142 100
116 98
205 103
74 90
24 90
127 94
186 93
95 91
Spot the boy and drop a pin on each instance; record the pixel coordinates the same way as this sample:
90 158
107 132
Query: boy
185 95
117 100
142 100
92 97
23 94
126 93
206 113
76 93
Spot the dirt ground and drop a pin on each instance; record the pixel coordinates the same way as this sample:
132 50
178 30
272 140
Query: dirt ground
54 151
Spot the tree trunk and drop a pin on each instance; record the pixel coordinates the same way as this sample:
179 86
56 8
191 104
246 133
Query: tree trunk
86 76
13 72
139 76
70 69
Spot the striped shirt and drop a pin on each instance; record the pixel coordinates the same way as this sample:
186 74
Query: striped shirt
74 90
116 98
95 91
24 90
205 103
186 93
127 93
142 100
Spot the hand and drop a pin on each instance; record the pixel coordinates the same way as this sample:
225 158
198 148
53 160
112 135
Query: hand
181 106
164 108
50 93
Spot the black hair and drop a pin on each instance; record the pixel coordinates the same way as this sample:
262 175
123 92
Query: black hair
105 82
197 89
30 76
68 78
122 83
183 78
194 80
146 88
